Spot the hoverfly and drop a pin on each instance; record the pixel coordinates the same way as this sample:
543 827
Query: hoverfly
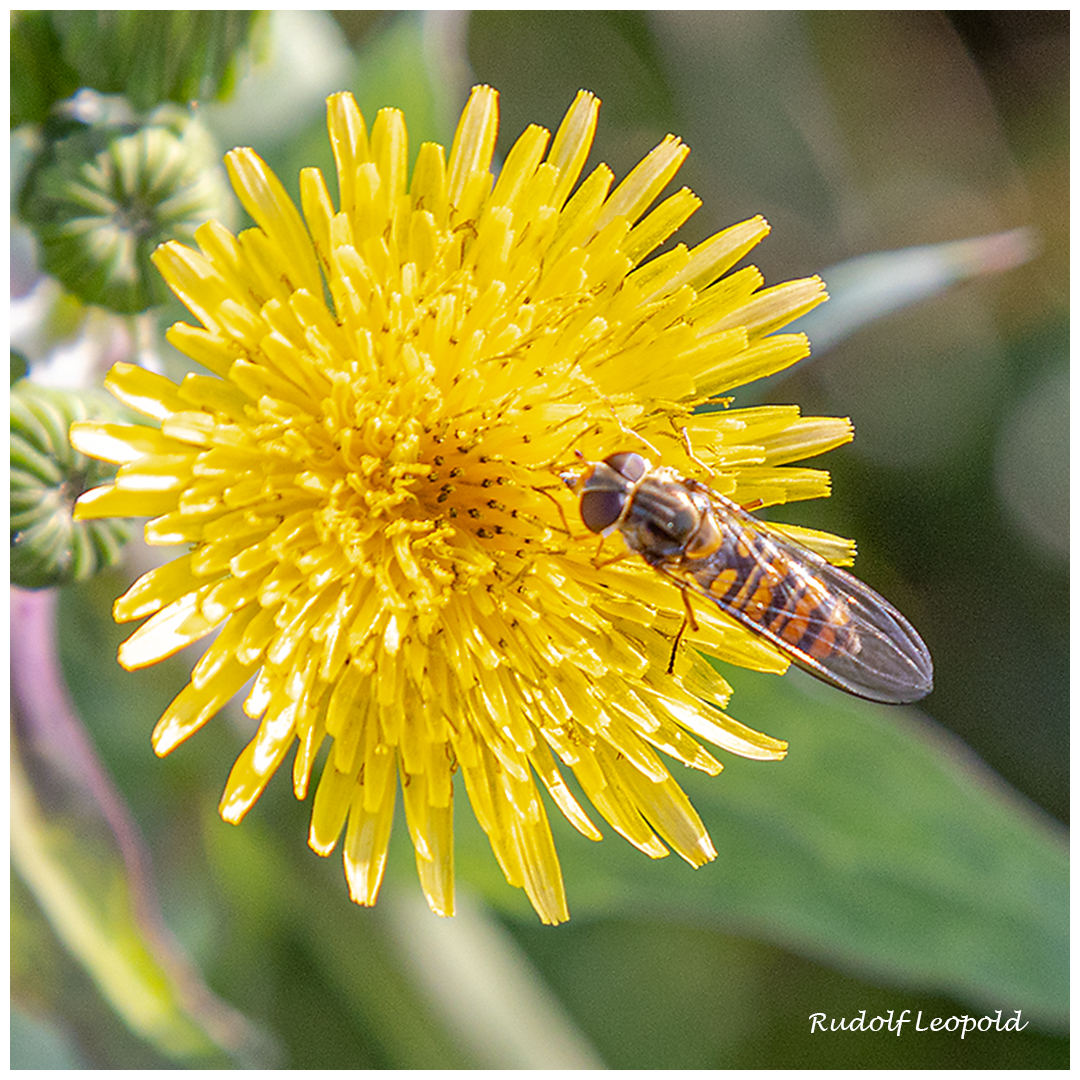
825 620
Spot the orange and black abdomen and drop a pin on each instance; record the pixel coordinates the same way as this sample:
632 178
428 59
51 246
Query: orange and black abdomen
752 577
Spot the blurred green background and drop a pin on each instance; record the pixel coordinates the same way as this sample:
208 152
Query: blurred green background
881 866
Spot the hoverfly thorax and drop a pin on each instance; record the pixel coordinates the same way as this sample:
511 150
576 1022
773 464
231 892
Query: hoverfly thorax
662 519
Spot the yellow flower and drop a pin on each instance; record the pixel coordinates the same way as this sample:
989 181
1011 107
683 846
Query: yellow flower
368 480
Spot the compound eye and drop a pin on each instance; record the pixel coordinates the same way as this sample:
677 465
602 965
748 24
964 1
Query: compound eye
632 466
601 509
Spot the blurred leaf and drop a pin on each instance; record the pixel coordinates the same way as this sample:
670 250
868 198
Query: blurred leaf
335 943
19 366
74 846
485 988
879 846
873 286
39 1044
901 852
86 902
1032 460
661 994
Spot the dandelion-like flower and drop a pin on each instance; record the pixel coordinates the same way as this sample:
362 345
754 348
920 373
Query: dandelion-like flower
369 482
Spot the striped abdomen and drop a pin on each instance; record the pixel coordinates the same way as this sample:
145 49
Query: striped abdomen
752 576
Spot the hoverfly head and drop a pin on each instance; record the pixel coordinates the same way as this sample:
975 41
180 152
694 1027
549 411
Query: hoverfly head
606 489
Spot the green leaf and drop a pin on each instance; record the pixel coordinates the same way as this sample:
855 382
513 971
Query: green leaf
302 898
880 846
874 286
85 899
75 848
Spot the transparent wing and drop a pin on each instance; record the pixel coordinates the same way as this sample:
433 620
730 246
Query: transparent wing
827 621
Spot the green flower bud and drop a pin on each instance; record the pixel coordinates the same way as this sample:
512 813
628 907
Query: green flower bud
47 476
39 75
148 56
101 199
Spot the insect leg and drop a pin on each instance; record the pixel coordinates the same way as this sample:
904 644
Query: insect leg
598 562
630 432
690 451
688 620
558 506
